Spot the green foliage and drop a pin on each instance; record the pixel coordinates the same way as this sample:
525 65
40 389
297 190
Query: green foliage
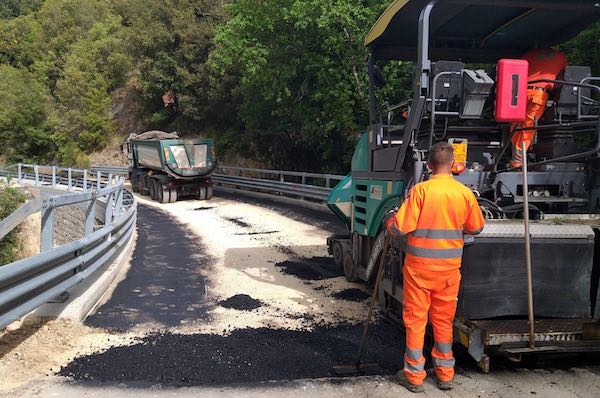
74 52
10 200
282 82
24 105
301 89
14 8
585 49
171 41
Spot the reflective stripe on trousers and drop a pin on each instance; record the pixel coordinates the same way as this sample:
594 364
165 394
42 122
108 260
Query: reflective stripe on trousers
443 361
429 294
414 365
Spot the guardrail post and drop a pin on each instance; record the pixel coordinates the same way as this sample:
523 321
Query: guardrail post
69 182
110 179
53 177
108 214
85 174
37 175
19 179
47 231
90 216
119 201
98 182
327 182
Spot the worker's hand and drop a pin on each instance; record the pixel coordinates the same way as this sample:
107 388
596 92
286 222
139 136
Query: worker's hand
390 224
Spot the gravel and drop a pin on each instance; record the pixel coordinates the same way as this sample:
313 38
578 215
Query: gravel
311 269
246 355
241 302
352 294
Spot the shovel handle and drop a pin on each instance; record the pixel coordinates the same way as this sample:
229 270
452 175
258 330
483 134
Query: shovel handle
363 339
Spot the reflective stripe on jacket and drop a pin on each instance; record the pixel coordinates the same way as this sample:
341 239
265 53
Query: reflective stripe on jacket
434 216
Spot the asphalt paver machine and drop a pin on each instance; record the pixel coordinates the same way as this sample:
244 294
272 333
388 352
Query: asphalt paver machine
456 46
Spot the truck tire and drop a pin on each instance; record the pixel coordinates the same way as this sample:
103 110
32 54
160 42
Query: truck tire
164 195
209 193
173 195
135 184
202 192
145 186
338 254
350 270
154 187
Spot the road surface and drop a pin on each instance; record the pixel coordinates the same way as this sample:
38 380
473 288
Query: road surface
234 297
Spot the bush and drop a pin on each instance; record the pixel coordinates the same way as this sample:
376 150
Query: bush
10 200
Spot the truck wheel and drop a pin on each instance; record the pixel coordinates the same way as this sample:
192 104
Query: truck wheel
135 185
202 193
209 192
164 195
173 195
350 270
338 254
154 189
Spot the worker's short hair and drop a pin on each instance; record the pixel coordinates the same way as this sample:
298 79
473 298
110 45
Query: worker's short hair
441 154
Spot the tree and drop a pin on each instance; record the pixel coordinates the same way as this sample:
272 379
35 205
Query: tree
24 106
302 87
14 8
171 41
96 65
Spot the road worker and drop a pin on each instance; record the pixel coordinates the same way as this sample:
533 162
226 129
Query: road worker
433 219
544 64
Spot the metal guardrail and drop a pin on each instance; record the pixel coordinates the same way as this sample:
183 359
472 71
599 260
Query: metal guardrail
294 185
28 283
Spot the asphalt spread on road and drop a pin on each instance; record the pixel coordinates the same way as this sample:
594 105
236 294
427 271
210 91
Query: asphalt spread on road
246 355
165 285
352 294
311 269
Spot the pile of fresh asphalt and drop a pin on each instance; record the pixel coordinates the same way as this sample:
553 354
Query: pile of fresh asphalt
311 269
244 356
352 294
241 302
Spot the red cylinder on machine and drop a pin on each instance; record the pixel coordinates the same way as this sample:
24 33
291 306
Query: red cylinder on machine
511 90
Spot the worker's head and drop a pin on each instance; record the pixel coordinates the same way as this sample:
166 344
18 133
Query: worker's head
441 158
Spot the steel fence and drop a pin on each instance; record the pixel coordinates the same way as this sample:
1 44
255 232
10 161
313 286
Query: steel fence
291 185
28 283
295 185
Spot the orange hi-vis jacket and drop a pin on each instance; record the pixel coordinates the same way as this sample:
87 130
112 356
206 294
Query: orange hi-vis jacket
434 217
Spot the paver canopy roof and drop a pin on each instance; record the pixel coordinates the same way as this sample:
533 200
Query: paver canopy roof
479 30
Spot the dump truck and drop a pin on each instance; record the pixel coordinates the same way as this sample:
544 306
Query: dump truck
167 168
457 102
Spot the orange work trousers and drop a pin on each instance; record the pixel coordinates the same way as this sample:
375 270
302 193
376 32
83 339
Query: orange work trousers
433 293
536 105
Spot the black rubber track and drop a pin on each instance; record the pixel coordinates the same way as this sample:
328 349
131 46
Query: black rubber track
165 285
